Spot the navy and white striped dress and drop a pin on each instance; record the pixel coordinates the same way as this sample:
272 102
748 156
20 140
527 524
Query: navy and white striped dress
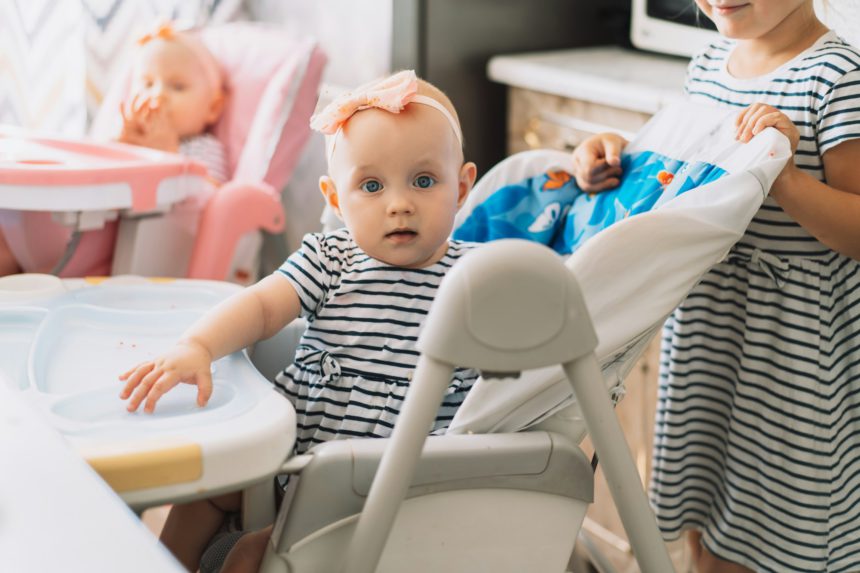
355 360
757 438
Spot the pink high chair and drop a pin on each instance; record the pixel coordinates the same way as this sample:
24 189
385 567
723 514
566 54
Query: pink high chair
272 78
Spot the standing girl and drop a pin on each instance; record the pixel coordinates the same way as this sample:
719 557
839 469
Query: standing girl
757 441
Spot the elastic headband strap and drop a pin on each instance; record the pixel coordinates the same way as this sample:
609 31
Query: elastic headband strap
426 100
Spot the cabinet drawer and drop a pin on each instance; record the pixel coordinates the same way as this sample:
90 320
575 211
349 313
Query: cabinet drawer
539 120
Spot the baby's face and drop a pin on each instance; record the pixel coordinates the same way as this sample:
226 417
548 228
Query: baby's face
399 181
169 74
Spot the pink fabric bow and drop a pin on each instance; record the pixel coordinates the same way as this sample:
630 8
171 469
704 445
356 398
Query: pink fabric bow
391 94
164 31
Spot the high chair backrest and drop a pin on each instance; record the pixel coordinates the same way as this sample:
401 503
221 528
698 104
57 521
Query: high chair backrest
636 271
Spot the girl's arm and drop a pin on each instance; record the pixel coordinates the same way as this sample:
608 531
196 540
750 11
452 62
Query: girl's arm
257 312
829 211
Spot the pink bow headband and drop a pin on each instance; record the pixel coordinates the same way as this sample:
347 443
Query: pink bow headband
391 94
168 33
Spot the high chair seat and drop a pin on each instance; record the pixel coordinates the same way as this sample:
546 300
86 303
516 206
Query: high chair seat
534 488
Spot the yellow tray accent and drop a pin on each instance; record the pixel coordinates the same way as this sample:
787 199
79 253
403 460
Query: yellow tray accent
154 468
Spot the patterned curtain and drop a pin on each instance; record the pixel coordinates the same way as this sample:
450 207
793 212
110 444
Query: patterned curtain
58 57
42 65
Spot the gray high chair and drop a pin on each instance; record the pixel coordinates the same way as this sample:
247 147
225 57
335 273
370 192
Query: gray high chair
492 502
506 489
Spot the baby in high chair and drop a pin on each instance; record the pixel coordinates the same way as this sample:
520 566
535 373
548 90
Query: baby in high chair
177 93
396 177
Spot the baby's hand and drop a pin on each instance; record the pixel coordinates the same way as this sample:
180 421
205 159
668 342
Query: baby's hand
597 162
145 122
754 119
133 126
187 362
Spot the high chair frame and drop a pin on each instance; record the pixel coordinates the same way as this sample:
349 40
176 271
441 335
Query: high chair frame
546 322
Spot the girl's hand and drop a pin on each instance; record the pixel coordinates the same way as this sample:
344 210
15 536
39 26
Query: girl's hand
754 119
597 162
187 362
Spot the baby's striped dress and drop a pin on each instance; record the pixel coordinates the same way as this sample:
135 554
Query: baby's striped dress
355 361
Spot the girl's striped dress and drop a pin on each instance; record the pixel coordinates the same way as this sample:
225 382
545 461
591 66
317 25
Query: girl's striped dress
758 421
355 360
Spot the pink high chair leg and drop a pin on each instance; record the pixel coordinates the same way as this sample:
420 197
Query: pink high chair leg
236 209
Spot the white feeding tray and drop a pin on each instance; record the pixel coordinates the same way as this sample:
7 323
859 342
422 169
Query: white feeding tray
65 354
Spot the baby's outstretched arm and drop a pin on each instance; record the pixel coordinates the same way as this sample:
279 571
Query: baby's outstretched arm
257 312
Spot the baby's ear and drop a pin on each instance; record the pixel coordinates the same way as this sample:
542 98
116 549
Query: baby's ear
216 106
468 173
329 193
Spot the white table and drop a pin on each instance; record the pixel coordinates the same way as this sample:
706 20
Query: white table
55 512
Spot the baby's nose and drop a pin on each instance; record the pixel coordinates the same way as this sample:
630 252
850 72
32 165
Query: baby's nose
400 203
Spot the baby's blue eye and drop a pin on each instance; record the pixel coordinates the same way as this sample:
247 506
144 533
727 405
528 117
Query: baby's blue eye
424 181
371 186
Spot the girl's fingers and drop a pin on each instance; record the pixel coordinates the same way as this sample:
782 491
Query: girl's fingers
612 150
739 120
746 132
596 187
586 154
772 119
602 170
744 115
600 178
743 119
604 185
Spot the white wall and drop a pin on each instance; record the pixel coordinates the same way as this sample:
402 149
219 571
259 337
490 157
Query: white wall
843 16
356 34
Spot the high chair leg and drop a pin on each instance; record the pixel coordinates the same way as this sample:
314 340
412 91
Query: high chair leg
621 476
258 505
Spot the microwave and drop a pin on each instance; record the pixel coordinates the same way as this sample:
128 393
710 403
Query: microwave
670 27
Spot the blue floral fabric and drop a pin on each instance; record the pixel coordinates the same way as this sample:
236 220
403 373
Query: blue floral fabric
552 210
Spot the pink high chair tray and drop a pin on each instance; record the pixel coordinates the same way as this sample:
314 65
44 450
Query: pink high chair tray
52 174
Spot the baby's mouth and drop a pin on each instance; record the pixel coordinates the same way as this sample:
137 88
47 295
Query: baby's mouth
401 235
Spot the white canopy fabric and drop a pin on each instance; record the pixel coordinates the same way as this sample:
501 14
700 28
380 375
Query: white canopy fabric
634 273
